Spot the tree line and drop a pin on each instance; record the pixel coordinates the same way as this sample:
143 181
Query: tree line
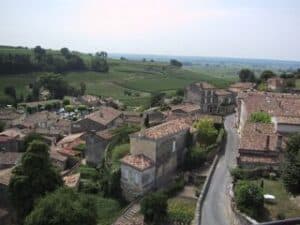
39 59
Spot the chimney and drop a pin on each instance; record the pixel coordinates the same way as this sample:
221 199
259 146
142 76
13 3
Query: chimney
268 143
279 143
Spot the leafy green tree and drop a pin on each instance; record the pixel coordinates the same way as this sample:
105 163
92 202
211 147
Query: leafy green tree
154 207
206 132
32 179
246 75
157 99
195 157
64 207
82 88
265 75
174 62
291 166
249 198
30 138
180 92
39 53
10 91
2 126
66 101
65 52
260 117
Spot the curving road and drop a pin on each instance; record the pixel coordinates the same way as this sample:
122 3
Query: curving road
216 206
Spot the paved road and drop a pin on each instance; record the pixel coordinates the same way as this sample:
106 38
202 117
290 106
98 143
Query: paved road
216 204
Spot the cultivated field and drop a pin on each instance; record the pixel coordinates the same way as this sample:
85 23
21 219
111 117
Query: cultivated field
139 78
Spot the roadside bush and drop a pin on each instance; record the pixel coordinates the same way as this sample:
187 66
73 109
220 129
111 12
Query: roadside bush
206 132
154 208
181 211
195 158
251 174
66 101
249 198
69 108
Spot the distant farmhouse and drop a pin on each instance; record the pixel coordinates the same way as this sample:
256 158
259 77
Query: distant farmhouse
209 98
276 84
155 154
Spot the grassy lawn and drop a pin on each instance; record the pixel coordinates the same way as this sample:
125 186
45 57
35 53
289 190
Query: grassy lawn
285 203
181 209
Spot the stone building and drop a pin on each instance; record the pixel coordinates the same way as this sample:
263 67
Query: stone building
102 119
11 140
96 144
275 84
209 98
154 156
260 146
241 86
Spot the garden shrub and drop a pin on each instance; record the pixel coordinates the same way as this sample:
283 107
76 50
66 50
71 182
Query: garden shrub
249 198
181 211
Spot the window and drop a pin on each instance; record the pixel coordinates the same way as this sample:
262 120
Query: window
125 174
136 180
174 146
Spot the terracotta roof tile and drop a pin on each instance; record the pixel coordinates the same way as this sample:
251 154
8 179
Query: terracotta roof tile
163 130
140 162
104 115
255 137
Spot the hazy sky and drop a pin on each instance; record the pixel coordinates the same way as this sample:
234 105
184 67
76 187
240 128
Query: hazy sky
234 28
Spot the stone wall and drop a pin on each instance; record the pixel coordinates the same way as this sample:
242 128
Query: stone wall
85 125
95 149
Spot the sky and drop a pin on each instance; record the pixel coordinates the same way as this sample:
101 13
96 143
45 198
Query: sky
268 29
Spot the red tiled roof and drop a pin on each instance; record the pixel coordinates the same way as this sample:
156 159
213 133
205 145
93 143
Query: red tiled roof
70 138
276 104
140 162
105 134
72 181
186 107
288 120
165 129
255 135
222 92
104 115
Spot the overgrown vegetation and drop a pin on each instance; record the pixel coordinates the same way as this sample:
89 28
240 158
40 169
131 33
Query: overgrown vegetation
249 198
71 208
260 117
32 179
291 167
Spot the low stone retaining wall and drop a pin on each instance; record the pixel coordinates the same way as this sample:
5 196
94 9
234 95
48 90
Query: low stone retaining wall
200 200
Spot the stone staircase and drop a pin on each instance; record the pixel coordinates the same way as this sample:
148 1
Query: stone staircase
127 218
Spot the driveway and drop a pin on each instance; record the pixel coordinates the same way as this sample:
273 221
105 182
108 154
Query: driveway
217 204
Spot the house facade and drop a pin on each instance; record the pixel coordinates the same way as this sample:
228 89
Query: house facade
209 98
96 144
261 144
161 148
102 119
